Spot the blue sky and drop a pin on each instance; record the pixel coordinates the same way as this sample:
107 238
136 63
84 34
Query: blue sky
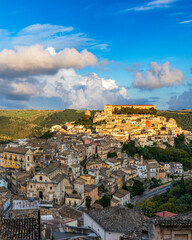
138 52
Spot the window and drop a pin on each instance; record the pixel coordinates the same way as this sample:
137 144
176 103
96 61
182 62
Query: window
28 158
31 186
50 188
40 178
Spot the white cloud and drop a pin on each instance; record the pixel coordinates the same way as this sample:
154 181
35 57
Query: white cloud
185 22
57 36
47 29
150 6
183 101
158 75
67 87
33 60
109 84
78 91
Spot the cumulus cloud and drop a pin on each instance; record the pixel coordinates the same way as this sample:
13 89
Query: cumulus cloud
157 76
183 101
78 91
33 60
66 88
19 89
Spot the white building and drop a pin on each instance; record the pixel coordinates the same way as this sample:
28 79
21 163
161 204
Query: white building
141 170
120 197
113 222
176 168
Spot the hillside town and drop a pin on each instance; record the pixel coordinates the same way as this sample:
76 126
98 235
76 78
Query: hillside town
141 127
67 178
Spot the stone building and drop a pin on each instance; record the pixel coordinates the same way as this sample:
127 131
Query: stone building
92 191
73 200
178 227
120 197
114 222
18 157
108 109
49 184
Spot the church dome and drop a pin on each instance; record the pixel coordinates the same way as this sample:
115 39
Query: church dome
87 112
172 120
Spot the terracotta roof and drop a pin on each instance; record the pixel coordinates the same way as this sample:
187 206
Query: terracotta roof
121 193
50 168
18 150
90 187
113 200
80 181
75 196
70 212
96 206
58 178
178 220
120 219
165 214
5 191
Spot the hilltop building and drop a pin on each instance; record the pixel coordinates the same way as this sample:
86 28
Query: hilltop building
87 114
108 109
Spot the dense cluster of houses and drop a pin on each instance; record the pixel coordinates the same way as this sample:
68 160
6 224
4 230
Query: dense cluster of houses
57 176
144 129
66 168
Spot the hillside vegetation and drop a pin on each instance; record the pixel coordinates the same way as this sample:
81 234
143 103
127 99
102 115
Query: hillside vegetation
27 123
183 118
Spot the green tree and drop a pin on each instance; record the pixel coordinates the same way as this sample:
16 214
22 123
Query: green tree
128 188
166 207
180 139
129 205
105 201
111 154
137 188
147 207
47 135
182 186
88 202
185 199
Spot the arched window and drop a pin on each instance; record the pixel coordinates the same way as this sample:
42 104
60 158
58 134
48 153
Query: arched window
40 178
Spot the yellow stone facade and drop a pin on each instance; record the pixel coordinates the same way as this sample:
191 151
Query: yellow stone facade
17 160
108 109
